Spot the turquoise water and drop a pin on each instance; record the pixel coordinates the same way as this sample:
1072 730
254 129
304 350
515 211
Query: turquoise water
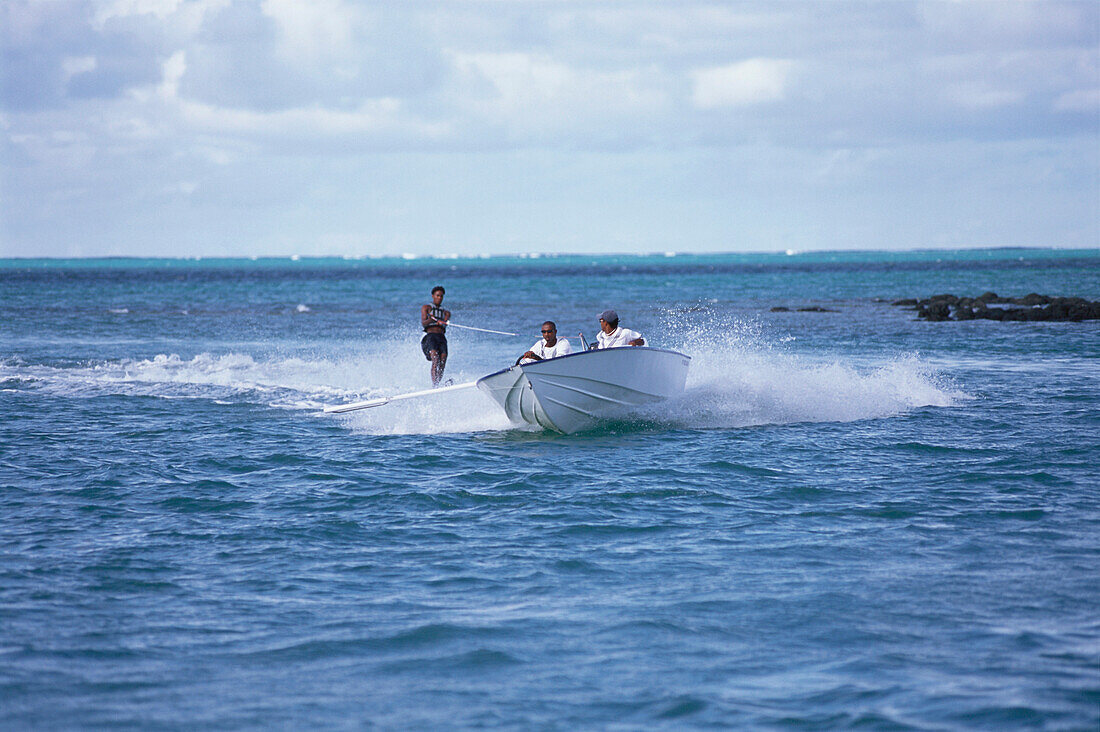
851 519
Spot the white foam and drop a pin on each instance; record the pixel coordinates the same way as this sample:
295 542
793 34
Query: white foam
738 378
450 412
770 389
375 369
316 381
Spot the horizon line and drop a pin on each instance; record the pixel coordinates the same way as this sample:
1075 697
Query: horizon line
413 256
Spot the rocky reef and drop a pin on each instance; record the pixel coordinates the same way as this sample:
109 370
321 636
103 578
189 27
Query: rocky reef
812 309
990 306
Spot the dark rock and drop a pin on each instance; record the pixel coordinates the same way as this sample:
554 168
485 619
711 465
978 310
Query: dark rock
781 309
1032 299
1078 311
1058 310
1036 308
936 311
815 309
907 302
993 314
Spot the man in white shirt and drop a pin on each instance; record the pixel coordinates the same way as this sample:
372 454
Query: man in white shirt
612 336
549 347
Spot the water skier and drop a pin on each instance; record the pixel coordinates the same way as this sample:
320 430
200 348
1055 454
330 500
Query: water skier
549 347
433 318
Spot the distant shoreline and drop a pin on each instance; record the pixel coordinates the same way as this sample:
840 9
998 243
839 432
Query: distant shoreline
454 257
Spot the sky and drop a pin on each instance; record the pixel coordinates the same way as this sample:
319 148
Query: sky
346 128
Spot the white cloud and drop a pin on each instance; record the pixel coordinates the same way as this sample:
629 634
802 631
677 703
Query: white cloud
378 116
108 9
174 69
535 94
73 65
314 31
177 18
1081 100
519 79
370 116
981 96
755 81
184 187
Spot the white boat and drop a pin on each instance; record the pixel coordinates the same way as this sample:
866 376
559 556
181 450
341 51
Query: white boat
574 392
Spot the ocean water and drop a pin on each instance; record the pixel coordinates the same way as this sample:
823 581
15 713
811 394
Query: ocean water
851 518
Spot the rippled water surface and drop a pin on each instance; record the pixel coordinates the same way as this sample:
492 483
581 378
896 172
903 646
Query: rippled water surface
851 518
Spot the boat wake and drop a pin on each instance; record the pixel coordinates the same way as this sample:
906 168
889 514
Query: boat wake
282 382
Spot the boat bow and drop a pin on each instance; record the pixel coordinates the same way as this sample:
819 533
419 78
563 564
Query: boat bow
573 392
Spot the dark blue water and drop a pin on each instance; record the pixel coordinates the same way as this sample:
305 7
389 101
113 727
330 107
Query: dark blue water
851 519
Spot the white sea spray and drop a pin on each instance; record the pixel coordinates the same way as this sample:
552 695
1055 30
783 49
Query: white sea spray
741 376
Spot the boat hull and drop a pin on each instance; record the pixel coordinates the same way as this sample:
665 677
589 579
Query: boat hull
572 393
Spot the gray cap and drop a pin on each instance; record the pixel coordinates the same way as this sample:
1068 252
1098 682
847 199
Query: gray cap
610 316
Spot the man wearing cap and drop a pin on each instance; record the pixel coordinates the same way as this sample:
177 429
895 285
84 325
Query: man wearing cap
549 347
612 336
